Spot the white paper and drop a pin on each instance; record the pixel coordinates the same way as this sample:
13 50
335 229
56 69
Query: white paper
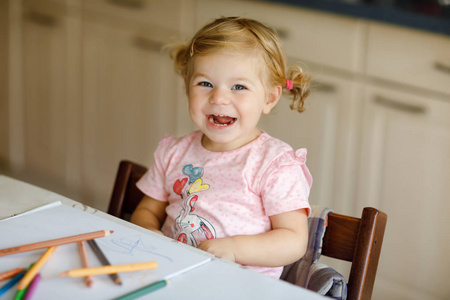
124 246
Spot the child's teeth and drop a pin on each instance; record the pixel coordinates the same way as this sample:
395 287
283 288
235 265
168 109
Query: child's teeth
212 119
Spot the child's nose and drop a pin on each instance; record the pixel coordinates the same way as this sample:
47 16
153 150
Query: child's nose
219 97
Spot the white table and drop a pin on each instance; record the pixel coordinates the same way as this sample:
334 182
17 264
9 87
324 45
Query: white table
216 279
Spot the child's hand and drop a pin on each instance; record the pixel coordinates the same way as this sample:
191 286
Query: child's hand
222 247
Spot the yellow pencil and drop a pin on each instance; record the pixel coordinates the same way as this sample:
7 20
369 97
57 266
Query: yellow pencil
25 281
111 269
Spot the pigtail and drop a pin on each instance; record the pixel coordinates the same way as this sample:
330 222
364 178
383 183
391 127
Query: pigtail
298 87
180 55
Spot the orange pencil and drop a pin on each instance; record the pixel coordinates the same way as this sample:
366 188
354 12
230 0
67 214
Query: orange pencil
104 270
10 273
84 261
55 242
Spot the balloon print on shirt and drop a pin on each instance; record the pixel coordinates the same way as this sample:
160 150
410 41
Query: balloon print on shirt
187 224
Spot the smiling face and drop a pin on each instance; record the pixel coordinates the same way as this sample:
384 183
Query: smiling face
226 98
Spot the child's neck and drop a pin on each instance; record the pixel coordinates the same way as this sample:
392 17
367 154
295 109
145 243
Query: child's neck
225 147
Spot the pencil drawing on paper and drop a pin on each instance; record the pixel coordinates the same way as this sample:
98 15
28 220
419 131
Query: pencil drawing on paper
131 245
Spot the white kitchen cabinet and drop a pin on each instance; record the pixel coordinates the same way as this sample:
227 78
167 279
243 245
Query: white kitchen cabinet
97 88
405 172
48 34
409 57
129 92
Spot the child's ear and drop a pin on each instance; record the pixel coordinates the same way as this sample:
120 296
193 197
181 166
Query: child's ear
273 96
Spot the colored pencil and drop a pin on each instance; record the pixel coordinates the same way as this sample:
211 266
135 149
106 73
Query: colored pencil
19 294
11 273
10 283
84 261
32 287
111 269
143 291
103 260
28 277
55 242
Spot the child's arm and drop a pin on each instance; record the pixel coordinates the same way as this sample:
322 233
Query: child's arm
150 214
284 244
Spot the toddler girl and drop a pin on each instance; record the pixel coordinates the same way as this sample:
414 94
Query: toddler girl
229 188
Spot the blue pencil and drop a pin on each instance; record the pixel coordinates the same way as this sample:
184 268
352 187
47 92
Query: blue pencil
11 283
143 291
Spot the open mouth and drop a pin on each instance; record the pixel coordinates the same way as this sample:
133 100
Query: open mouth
221 120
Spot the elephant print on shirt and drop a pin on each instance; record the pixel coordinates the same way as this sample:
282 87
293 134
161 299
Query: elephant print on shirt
188 223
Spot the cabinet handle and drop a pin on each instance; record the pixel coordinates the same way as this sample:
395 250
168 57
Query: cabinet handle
442 67
133 4
323 87
147 44
42 19
400 106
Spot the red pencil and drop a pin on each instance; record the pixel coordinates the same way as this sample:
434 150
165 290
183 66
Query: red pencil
10 273
55 242
84 262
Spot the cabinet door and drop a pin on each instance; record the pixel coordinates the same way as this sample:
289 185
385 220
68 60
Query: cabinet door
129 86
44 85
328 130
405 172
407 56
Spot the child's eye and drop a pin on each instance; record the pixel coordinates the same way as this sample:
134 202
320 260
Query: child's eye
239 87
204 83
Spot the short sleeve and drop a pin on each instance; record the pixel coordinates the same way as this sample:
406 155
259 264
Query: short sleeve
286 184
152 183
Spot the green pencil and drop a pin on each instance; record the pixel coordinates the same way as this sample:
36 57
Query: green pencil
145 290
21 293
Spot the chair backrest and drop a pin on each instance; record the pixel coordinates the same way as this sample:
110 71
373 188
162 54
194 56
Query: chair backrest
358 241
126 196
346 238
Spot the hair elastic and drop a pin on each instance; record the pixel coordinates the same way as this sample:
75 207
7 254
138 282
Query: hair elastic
289 84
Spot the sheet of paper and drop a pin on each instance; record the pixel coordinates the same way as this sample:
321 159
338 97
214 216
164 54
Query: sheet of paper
124 246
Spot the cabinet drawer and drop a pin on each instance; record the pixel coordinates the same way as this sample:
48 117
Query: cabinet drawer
410 57
44 12
307 35
159 13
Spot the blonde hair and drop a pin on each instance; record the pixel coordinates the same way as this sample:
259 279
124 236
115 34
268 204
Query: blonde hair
243 34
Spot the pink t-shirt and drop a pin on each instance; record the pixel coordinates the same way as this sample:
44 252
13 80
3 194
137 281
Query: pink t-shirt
221 194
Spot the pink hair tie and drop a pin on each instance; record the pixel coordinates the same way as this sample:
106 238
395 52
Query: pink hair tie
289 84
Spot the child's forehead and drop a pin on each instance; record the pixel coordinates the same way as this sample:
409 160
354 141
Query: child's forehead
243 57
248 59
